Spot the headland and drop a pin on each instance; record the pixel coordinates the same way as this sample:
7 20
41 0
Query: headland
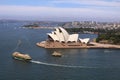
60 38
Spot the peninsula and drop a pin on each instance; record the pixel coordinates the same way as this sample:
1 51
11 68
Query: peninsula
60 38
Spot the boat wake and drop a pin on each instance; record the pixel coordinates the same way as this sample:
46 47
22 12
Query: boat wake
58 65
18 45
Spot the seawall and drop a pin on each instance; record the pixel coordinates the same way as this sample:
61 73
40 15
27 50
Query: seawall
91 45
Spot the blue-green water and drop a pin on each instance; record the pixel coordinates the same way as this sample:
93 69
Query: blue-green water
75 64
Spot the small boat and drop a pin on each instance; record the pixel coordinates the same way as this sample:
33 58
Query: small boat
56 54
20 56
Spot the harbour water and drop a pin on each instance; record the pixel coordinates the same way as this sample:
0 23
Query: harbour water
75 64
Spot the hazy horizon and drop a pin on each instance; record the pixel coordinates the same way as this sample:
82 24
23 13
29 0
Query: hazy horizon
61 10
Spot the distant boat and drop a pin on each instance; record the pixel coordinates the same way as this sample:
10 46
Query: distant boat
20 56
56 54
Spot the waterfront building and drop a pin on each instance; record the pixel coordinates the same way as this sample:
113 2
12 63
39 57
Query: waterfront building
61 35
60 38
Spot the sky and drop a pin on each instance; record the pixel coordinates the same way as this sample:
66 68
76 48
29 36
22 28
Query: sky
61 10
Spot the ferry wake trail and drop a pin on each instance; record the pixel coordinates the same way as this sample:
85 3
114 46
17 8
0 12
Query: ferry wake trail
18 44
59 65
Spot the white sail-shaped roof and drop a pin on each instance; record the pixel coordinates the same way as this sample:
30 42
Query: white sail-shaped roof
65 33
73 38
54 37
61 35
85 40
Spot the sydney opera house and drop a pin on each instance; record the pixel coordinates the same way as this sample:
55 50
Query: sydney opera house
60 38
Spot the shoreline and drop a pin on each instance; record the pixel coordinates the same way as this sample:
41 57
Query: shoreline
92 45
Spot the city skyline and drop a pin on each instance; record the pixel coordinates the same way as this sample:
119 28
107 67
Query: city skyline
61 10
